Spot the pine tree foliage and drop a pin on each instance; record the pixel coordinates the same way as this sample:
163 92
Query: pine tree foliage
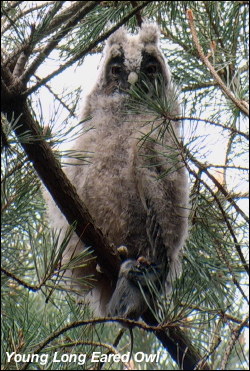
206 44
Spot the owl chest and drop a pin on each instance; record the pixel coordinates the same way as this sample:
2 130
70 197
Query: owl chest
109 190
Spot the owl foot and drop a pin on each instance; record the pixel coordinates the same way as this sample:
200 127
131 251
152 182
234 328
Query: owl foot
123 252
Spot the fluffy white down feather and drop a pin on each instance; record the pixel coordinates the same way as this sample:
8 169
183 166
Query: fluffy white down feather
121 187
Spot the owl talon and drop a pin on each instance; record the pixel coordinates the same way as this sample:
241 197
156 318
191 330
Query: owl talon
143 261
123 252
98 268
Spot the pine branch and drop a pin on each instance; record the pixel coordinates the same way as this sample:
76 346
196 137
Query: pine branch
33 288
237 245
90 5
87 49
159 331
235 336
64 194
206 121
176 341
204 168
242 105
22 14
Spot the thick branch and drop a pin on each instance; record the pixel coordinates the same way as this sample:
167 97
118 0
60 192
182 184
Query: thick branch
176 341
64 194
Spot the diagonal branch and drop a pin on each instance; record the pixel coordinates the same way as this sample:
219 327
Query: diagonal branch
177 343
204 168
64 194
57 38
241 104
87 49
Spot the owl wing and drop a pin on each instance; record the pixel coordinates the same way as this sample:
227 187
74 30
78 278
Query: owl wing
162 185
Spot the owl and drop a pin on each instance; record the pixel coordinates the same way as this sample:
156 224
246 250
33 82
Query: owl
134 185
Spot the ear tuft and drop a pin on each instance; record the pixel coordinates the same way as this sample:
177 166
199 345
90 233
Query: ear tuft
118 37
150 33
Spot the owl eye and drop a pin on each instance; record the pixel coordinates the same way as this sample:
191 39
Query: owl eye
116 70
151 69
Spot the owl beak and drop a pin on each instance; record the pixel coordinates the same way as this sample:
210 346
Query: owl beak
127 82
132 78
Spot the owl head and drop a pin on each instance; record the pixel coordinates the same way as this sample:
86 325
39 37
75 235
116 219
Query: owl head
128 58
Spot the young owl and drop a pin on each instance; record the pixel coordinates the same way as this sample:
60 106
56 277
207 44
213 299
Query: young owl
134 186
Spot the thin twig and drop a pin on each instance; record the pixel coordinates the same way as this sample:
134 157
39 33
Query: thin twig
220 187
23 13
57 38
207 121
77 324
237 245
235 336
241 104
217 312
57 98
33 288
85 51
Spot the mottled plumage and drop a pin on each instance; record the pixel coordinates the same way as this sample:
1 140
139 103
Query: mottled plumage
136 191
